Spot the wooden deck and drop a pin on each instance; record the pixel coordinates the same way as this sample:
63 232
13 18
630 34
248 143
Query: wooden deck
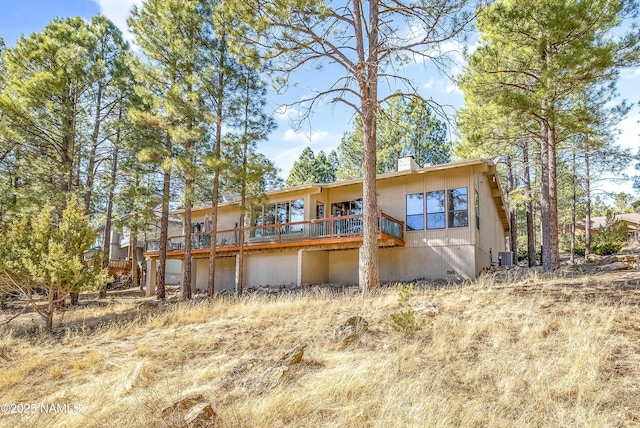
330 234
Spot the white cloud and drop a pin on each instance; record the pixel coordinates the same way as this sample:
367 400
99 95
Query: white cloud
286 113
630 73
452 88
629 137
284 155
429 84
312 137
118 12
629 132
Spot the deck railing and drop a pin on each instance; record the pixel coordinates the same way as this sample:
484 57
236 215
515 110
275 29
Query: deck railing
332 227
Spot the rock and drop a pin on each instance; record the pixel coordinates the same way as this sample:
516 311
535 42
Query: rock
431 308
135 377
352 329
614 266
181 406
292 357
148 305
202 415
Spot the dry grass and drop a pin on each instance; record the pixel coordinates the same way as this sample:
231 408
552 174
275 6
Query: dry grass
516 351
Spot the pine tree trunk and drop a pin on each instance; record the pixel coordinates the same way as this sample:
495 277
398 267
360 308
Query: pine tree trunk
545 204
574 197
531 233
215 197
513 215
95 135
240 272
587 203
369 273
243 202
164 229
133 244
108 222
186 283
553 199
188 201
51 307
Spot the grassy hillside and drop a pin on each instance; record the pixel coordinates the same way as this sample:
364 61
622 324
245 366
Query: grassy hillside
519 352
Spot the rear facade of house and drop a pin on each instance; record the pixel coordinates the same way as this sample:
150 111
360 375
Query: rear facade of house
443 221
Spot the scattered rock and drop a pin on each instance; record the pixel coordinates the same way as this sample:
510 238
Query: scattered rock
192 411
267 379
431 308
256 376
293 356
352 329
614 266
181 406
136 377
202 415
148 305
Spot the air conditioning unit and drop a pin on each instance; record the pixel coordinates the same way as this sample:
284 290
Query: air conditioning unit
505 258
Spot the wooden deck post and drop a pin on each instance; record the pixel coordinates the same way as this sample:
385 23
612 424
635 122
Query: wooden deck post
194 275
299 270
151 278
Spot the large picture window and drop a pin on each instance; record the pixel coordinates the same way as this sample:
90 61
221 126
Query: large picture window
297 214
458 207
280 213
415 211
435 210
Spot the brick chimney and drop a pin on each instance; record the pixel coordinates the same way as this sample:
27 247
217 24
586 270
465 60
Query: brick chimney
407 163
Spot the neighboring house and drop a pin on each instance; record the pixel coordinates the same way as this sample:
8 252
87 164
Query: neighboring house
442 221
631 220
120 248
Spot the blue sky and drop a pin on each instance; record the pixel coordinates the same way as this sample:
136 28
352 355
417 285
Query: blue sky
326 126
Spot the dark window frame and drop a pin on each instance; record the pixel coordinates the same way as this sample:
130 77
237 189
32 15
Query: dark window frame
415 215
456 216
438 216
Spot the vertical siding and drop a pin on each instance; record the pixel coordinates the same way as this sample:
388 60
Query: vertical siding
429 254
491 238
225 279
343 267
439 253
392 200
271 269
315 267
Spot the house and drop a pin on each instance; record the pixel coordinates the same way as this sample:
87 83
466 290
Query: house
631 220
441 221
120 246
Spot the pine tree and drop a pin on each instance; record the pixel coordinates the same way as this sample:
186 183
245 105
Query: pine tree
173 35
535 59
246 173
38 252
359 39
405 127
46 80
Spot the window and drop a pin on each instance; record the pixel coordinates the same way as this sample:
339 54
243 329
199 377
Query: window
435 210
477 204
458 207
415 211
297 214
283 212
340 209
347 208
283 215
